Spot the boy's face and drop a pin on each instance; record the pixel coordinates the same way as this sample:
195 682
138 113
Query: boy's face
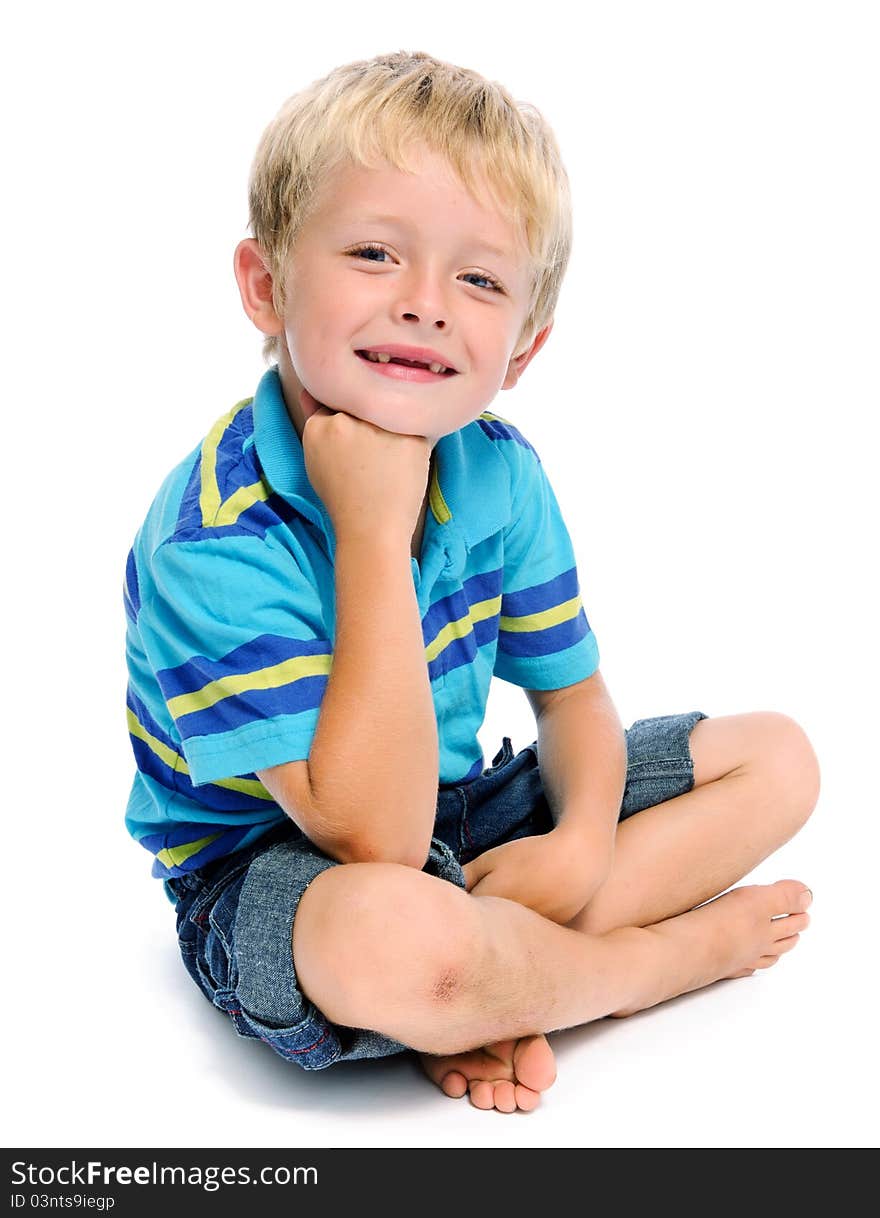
426 279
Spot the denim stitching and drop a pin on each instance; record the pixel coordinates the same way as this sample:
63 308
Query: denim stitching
293 1052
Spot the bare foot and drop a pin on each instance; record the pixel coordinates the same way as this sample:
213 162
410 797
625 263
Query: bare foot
743 930
732 936
507 1075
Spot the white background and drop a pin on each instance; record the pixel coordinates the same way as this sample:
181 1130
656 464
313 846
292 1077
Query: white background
706 409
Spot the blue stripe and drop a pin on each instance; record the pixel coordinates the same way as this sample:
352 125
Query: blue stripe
189 511
474 772
457 605
291 699
458 652
234 466
452 608
497 430
541 596
484 586
132 591
441 613
182 831
223 845
218 799
261 652
142 714
226 842
256 521
544 642
486 631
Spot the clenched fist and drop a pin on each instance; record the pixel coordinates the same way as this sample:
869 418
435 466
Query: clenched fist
371 481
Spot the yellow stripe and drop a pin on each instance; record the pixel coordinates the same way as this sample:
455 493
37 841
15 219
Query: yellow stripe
246 786
271 677
240 501
495 418
439 506
209 499
483 609
543 620
162 751
176 856
462 627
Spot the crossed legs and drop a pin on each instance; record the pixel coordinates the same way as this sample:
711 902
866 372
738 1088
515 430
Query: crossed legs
476 999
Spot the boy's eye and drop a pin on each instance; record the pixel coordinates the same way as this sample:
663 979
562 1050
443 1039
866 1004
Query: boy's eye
366 249
493 283
371 248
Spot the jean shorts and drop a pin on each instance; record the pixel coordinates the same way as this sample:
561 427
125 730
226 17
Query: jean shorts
235 916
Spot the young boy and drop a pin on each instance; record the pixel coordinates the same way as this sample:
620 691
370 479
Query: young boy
322 591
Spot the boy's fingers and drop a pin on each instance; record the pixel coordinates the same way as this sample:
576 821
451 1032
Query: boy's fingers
472 873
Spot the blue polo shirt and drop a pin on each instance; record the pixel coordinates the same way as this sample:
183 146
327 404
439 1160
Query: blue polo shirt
230 599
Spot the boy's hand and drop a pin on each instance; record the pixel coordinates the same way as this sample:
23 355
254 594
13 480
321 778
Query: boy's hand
554 873
371 481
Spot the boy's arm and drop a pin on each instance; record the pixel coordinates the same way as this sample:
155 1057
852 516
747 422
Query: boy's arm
582 752
582 755
368 792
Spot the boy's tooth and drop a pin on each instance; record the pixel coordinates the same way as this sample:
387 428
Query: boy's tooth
382 357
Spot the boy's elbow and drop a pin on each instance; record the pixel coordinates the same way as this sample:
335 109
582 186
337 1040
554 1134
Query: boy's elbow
370 849
342 837
347 846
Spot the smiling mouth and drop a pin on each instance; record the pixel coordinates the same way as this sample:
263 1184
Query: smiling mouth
406 363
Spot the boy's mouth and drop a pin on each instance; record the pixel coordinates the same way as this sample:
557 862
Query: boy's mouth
383 361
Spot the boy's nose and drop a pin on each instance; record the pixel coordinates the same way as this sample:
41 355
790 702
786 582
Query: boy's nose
438 322
422 298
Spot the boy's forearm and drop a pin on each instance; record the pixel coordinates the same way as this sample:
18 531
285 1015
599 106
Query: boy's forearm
374 761
582 755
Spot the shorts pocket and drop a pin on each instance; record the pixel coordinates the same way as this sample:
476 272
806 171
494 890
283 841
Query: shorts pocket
206 938
311 1044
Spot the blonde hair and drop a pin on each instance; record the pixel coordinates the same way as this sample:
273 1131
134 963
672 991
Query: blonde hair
373 109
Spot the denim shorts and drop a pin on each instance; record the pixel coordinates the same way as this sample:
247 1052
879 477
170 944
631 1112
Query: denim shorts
235 916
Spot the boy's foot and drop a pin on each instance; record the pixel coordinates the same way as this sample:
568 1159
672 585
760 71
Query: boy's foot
733 935
507 1075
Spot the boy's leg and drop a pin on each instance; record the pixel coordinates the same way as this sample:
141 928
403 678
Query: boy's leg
756 781
387 947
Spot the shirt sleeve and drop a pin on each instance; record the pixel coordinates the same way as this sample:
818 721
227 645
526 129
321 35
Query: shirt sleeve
235 634
544 638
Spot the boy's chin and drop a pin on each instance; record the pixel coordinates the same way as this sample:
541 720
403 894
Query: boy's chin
395 421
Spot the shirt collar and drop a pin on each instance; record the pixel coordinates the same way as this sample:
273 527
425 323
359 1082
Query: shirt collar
471 475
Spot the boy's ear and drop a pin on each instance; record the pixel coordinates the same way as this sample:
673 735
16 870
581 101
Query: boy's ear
519 363
255 287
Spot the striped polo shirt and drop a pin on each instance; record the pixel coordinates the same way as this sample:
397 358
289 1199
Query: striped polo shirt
230 600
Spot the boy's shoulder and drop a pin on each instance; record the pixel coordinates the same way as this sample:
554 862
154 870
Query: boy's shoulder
507 437
218 490
493 440
485 473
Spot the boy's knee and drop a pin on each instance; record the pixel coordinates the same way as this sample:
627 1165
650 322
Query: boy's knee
370 937
794 762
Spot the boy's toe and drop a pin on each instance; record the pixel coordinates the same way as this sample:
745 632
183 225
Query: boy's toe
790 896
505 1096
